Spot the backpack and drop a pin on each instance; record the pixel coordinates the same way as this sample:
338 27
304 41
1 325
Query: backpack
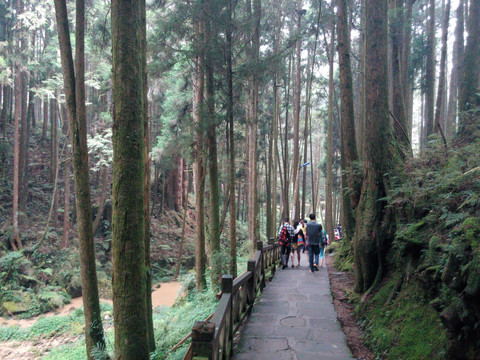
284 236
323 238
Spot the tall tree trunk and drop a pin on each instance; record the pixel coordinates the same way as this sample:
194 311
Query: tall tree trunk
399 100
360 111
329 181
128 195
406 83
198 148
231 137
430 71
439 109
54 155
252 123
347 126
296 115
214 216
469 98
15 241
375 226
146 180
456 75
74 93
286 169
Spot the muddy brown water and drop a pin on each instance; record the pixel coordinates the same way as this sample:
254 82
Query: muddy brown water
164 294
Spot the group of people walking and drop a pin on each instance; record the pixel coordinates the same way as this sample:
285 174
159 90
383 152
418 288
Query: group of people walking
303 237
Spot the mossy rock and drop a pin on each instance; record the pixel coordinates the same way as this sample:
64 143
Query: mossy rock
22 305
331 248
51 300
74 288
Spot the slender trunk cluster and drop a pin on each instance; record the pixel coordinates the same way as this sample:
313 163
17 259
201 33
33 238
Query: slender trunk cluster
74 84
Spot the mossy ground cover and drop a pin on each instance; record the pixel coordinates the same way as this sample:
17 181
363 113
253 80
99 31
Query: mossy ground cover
406 329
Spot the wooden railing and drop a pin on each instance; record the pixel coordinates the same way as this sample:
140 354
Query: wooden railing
213 339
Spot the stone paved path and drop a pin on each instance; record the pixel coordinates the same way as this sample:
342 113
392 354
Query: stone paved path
294 320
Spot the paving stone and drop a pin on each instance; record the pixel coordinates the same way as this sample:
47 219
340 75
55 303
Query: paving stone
321 323
262 345
297 297
258 330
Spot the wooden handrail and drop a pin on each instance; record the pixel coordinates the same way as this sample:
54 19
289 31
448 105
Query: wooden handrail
214 339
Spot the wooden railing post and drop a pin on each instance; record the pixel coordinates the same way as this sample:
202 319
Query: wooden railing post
252 284
262 275
203 333
227 289
271 241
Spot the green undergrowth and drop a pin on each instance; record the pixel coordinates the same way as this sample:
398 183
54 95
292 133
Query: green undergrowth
173 324
405 329
49 326
343 254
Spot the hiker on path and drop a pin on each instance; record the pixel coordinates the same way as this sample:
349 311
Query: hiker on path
285 237
314 230
324 242
295 247
298 243
303 246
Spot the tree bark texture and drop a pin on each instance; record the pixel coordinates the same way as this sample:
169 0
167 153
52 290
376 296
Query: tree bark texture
128 230
374 227
75 95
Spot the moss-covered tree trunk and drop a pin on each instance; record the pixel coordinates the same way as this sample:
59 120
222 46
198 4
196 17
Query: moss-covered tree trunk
74 83
469 98
347 126
374 227
128 225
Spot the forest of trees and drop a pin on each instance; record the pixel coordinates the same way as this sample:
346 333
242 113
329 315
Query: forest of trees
244 112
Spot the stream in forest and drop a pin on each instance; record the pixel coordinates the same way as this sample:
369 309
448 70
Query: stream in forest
163 294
